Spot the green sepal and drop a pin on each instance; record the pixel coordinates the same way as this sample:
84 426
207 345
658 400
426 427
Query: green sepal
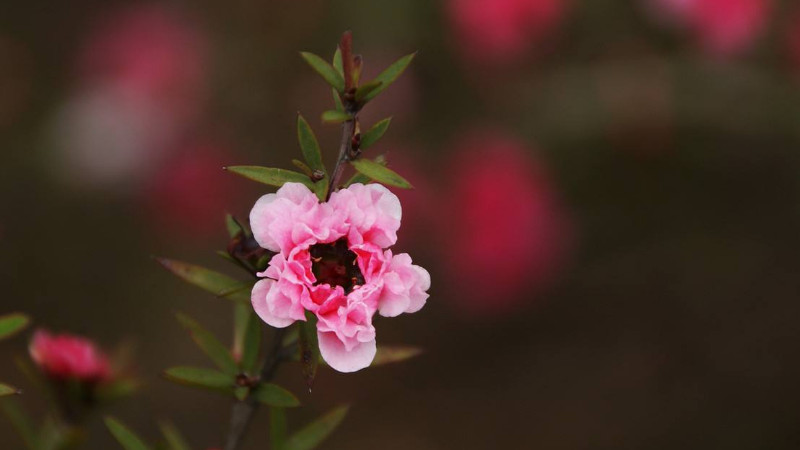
372 135
127 438
11 324
325 70
310 436
379 173
270 176
274 395
389 75
209 344
334 116
206 279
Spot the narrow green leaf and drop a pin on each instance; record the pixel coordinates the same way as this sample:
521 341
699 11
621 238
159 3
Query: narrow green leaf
337 61
326 71
337 101
372 135
380 173
389 75
206 279
363 179
8 390
21 423
314 433
127 438
200 377
277 428
232 226
252 344
209 344
309 348
241 318
302 166
309 145
333 116
270 175
274 395
392 354
367 88
175 441
11 324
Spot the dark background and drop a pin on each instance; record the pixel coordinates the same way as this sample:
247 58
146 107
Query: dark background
669 320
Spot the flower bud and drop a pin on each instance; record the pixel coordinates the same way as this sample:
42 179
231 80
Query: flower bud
66 356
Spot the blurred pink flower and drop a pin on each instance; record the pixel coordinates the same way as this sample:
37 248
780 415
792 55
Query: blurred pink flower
498 31
148 50
721 27
191 193
504 234
66 356
331 261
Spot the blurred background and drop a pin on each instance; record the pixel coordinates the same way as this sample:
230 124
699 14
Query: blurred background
607 198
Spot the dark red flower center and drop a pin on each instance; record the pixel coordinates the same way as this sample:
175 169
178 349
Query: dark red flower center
336 265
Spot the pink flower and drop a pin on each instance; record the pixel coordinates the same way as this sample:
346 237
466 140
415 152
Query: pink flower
332 261
505 223
502 30
66 356
721 27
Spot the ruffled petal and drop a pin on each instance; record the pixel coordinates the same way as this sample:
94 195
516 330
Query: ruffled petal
337 356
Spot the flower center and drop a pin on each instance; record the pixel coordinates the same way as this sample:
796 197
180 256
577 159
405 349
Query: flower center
336 265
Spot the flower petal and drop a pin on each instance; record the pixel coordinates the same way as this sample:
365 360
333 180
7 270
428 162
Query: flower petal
336 355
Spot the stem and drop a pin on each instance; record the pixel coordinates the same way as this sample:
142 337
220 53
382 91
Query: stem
243 411
346 152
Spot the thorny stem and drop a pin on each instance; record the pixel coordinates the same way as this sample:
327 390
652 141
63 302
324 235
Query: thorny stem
243 411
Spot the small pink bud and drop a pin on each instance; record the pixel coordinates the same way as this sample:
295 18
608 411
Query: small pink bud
66 356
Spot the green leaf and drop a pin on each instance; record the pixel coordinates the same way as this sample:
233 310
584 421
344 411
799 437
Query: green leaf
274 395
337 61
380 173
252 344
206 279
241 392
210 345
392 354
309 348
367 88
309 145
232 225
21 422
175 440
241 318
8 390
389 75
202 378
333 116
277 428
314 433
302 166
127 438
11 324
328 73
270 175
321 188
372 135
